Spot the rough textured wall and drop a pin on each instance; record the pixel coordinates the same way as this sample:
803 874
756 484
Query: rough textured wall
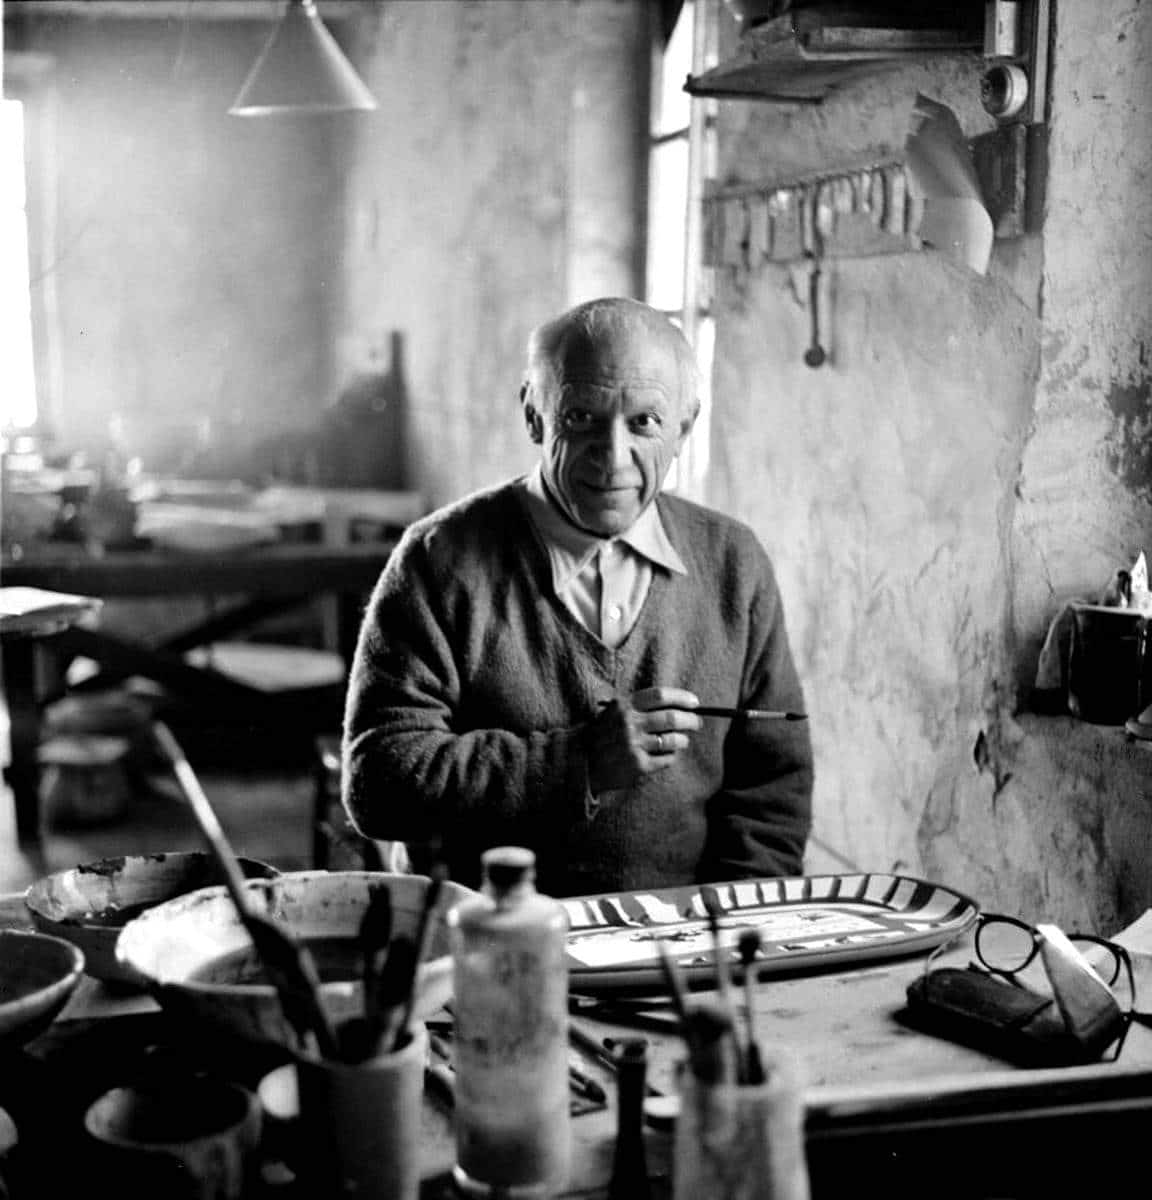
974 443
499 182
195 253
880 481
976 450
1086 484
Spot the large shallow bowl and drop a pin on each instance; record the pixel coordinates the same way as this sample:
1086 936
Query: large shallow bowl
90 904
194 955
37 975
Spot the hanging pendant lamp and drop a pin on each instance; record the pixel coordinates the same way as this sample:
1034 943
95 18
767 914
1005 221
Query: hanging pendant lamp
301 70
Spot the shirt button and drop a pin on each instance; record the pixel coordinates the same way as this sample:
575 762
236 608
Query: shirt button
615 612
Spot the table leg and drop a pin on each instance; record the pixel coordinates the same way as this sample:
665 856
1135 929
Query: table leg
23 770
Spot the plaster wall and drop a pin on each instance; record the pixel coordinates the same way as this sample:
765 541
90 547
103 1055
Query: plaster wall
184 261
503 181
972 448
1086 477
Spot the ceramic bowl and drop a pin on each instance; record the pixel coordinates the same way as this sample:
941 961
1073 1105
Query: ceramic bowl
37 975
90 904
195 956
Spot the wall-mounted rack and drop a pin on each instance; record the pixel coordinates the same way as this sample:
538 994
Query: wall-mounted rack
851 212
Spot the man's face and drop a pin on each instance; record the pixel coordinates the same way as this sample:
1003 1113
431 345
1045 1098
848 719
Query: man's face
608 427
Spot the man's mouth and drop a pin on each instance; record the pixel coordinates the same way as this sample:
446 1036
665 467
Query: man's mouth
609 489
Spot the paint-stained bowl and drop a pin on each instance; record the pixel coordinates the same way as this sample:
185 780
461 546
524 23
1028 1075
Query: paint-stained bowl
196 958
37 975
90 904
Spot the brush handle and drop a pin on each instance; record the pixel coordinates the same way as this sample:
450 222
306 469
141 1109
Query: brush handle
748 714
205 817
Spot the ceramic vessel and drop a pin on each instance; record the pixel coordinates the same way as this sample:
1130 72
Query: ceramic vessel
90 904
37 975
195 956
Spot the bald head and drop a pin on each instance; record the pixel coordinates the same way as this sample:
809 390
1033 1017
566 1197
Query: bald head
613 335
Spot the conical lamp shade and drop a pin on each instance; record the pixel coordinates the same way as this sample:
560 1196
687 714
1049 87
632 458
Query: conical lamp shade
301 70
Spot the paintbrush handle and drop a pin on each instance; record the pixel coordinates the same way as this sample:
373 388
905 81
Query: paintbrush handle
205 816
672 979
748 714
423 939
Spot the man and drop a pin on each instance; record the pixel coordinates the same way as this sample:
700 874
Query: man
532 655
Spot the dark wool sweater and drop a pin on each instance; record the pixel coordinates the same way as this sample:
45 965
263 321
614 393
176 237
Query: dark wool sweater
473 686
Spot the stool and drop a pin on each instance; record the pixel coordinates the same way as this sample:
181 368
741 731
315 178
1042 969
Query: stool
336 843
85 783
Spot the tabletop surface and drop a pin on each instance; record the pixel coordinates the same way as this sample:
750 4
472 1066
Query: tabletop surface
285 567
841 1028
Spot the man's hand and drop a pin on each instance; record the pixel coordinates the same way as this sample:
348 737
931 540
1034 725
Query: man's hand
639 736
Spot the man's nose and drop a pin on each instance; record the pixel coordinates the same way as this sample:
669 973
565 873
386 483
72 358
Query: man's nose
614 444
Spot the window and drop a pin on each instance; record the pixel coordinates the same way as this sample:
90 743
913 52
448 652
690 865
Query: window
18 383
682 153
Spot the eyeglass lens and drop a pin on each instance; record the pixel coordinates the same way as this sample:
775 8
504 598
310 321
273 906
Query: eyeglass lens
1007 945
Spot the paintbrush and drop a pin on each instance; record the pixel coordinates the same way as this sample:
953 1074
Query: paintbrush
753 1072
288 964
360 1037
394 989
673 980
714 908
711 1036
747 714
375 936
436 878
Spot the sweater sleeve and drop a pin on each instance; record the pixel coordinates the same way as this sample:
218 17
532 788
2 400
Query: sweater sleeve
410 772
758 823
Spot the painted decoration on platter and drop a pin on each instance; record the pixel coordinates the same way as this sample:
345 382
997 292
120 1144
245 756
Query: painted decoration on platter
806 923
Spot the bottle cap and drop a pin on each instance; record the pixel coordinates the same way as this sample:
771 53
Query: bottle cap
506 866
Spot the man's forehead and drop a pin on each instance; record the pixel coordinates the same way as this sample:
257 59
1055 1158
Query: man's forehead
626 359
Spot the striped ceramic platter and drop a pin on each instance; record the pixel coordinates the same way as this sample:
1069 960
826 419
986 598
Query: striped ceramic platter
806 924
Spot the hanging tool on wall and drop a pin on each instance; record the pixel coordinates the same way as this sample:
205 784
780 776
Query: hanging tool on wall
816 224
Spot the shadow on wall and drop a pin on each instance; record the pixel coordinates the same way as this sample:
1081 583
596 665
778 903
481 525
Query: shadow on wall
360 440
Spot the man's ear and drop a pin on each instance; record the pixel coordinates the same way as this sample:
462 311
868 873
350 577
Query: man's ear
531 417
686 424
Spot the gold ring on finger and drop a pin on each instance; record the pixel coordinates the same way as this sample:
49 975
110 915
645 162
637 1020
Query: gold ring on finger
659 743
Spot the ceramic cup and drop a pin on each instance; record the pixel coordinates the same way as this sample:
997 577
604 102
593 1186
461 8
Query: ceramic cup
359 1125
192 1139
741 1142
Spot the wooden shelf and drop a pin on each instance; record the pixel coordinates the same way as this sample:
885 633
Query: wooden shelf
801 57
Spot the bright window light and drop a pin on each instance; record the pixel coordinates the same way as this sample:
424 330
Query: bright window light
17 375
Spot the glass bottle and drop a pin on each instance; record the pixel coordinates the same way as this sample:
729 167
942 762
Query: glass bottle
513 1136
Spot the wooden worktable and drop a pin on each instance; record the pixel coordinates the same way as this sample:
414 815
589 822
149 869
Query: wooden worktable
891 1112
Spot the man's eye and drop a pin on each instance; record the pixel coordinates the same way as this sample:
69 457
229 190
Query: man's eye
646 422
576 418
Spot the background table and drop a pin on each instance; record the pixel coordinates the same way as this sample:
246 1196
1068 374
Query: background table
266 579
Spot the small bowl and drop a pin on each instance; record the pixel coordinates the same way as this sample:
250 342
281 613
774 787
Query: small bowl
37 975
197 1136
90 904
196 958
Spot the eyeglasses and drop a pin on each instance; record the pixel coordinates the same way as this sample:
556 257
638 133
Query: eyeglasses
1006 946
